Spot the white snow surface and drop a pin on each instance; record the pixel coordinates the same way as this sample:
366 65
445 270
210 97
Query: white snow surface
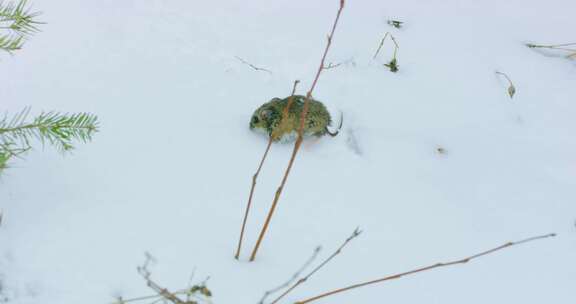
169 172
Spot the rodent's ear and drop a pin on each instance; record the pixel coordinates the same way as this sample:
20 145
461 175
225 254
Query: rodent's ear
275 99
265 114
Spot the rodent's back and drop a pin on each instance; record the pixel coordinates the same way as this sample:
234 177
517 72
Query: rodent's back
317 117
269 117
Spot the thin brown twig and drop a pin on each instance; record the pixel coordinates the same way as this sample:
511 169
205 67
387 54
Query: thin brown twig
298 142
355 234
276 133
252 66
249 204
255 177
422 269
294 277
165 293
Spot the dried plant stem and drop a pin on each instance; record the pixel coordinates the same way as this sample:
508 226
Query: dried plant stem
422 269
162 292
560 47
298 142
150 297
249 204
355 234
252 66
294 277
255 176
511 87
382 43
505 76
335 65
284 118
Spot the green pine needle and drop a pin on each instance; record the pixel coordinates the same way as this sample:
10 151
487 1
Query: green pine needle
60 130
17 21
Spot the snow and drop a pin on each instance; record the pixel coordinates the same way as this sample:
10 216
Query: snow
170 171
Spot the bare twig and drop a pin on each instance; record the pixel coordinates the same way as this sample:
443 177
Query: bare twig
277 131
559 47
298 142
199 292
511 87
294 276
255 176
252 66
165 293
332 65
422 269
355 234
396 47
380 45
393 64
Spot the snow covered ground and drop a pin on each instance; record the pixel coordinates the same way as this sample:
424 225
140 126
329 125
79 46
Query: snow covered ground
170 171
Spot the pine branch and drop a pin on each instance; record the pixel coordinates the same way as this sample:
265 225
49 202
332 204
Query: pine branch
10 43
19 21
18 18
58 129
8 151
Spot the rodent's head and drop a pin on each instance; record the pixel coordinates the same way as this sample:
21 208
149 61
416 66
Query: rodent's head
264 117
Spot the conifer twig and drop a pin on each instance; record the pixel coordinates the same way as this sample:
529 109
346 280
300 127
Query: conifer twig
430 267
255 177
18 21
58 129
299 139
355 234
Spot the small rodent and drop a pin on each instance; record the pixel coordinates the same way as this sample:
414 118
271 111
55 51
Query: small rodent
266 119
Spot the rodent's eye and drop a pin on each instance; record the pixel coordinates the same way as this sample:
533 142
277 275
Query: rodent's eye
255 119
